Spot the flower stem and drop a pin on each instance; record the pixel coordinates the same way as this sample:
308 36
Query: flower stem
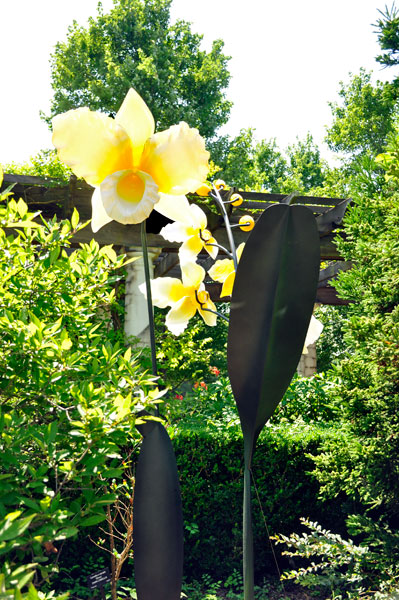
216 312
216 196
149 297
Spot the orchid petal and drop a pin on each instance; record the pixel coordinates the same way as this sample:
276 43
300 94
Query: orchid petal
165 291
221 270
239 251
129 197
211 247
192 274
199 220
176 232
92 144
190 249
210 318
178 316
227 288
136 119
99 215
176 159
175 208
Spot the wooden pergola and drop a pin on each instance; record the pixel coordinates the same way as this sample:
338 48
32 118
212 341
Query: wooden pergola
51 199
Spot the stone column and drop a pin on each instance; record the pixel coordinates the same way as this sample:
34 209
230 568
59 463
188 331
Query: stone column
136 313
308 363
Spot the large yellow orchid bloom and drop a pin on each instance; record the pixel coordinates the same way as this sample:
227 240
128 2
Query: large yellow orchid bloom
224 272
185 297
194 235
132 169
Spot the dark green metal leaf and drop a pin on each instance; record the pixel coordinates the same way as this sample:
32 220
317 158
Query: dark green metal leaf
158 521
271 306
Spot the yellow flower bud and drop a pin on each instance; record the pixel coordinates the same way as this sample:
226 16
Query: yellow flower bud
219 184
202 296
246 223
203 190
236 200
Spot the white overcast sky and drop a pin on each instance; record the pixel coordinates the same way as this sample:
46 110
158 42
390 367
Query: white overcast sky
288 57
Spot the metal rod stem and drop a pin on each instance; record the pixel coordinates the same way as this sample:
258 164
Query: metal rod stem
219 201
149 297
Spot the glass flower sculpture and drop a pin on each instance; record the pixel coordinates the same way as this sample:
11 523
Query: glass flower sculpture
132 169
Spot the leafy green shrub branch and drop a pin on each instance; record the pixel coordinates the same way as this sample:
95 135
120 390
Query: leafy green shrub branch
69 391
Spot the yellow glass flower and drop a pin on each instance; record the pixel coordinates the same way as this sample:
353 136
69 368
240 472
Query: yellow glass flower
203 190
246 223
194 235
236 200
224 272
132 169
185 297
219 184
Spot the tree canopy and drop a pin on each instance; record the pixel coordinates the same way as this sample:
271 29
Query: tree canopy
388 36
134 45
260 165
364 118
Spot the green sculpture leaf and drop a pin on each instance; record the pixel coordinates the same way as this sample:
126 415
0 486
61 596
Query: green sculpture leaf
271 306
158 521
272 303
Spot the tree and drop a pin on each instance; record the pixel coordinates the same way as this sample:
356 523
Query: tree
134 45
305 163
388 36
364 118
248 164
261 166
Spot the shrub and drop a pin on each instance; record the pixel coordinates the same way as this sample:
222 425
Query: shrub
68 392
210 468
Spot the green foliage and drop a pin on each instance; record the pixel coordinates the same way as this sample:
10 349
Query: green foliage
331 346
361 462
188 357
134 45
261 166
68 391
364 118
247 164
206 404
367 392
306 168
230 589
308 400
210 467
388 36
45 164
344 569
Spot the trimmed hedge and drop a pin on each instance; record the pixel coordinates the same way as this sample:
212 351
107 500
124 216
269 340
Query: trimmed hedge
211 466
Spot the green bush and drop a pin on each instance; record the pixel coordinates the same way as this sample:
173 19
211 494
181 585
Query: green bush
69 390
210 468
45 164
344 569
186 358
361 463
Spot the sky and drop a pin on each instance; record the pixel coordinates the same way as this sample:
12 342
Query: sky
287 59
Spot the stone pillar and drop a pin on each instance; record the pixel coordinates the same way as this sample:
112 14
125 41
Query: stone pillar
308 363
136 313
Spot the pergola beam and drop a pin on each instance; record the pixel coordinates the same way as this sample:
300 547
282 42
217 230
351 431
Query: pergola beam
52 199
